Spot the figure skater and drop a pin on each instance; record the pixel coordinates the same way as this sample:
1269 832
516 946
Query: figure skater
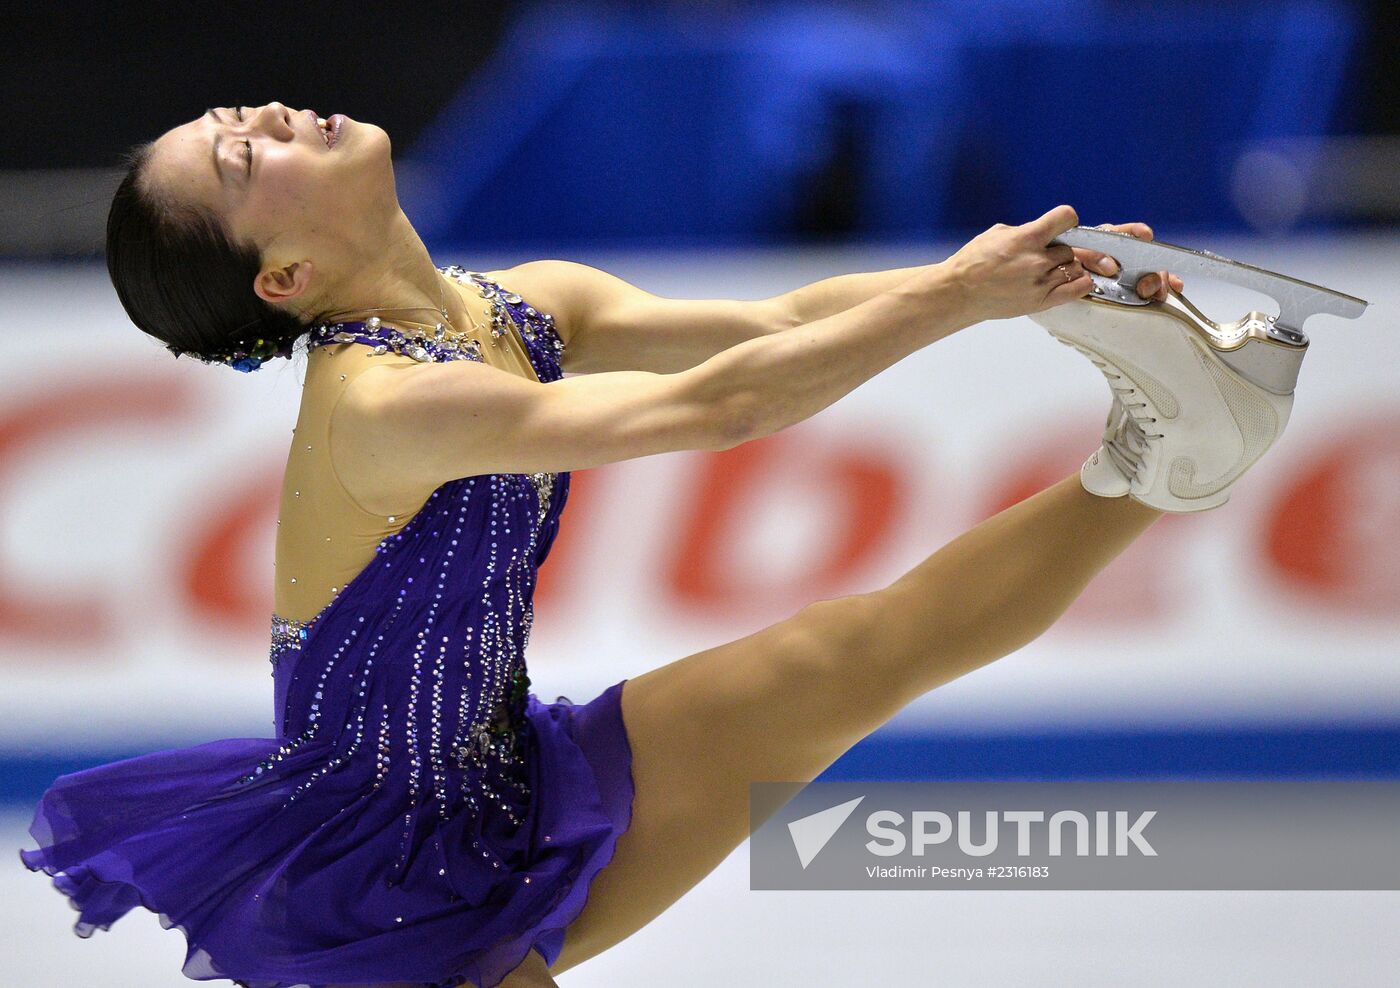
422 817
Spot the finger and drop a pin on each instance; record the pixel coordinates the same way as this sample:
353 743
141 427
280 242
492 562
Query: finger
1097 260
1062 274
1177 283
1140 230
1060 254
1069 291
1155 285
1053 223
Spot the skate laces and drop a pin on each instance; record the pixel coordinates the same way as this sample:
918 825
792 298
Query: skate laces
1128 440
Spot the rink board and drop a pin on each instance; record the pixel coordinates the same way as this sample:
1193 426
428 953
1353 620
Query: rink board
140 498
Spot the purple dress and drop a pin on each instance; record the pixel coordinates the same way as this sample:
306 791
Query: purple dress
398 828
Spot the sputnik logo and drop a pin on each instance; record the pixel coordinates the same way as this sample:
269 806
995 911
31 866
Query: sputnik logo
812 833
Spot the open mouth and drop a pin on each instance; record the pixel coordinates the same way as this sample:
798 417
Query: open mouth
329 128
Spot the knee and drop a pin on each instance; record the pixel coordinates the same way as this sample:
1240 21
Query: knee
836 643
838 628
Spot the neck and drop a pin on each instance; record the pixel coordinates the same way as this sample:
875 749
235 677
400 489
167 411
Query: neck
397 280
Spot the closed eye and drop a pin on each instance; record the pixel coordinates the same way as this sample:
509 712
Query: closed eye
248 153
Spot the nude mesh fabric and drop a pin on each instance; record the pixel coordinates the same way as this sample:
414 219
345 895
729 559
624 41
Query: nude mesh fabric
324 535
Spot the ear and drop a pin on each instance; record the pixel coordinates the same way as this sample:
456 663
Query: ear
276 285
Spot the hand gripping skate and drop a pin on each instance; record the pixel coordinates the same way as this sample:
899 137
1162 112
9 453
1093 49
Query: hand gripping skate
1266 350
1196 403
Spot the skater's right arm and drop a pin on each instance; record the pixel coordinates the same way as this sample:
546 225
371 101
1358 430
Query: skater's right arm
427 423
417 425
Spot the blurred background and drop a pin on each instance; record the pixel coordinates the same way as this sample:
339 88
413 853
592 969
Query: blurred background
740 150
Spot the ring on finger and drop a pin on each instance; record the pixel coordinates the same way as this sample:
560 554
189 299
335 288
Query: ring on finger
1065 271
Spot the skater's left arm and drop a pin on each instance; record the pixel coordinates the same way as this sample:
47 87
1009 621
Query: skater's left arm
832 295
608 324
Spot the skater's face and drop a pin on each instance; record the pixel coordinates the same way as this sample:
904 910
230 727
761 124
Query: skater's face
270 177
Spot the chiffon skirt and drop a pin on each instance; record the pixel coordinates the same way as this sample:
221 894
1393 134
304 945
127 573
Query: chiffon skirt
274 896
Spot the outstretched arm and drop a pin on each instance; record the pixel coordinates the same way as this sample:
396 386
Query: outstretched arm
484 420
838 293
608 324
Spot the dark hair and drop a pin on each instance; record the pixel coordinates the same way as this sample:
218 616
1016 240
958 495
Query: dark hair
183 280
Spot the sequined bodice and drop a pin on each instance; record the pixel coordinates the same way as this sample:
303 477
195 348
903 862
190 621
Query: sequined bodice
417 664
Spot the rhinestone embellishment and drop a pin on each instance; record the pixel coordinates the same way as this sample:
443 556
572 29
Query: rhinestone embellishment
438 718
286 635
544 487
543 345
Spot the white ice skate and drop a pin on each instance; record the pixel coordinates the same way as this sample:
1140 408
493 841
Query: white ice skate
1196 403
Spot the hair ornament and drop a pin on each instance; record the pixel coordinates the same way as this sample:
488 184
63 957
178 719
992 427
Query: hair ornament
245 356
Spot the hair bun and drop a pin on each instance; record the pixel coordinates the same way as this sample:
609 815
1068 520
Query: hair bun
244 356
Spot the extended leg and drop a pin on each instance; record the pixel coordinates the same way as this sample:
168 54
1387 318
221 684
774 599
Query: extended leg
787 701
998 586
532 973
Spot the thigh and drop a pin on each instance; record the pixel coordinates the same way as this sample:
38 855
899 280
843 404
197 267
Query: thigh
532 972
779 705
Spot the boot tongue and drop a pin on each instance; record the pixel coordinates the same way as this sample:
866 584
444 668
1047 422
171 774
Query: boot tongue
1115 468
1100 476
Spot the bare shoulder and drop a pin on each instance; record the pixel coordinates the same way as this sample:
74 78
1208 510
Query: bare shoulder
567 290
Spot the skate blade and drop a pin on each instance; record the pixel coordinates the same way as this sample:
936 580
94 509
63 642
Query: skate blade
1248 347
1298 300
